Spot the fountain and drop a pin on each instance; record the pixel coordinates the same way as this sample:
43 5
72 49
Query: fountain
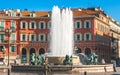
61 35
61 32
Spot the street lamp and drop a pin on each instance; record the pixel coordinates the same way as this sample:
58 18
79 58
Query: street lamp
8 31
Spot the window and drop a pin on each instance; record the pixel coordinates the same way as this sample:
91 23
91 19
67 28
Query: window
23 25
87 24
78 37
32 37
78 24
12 48
49 25
49 37
42 37
1 48
23 37
42 25
87 36
13 23
32 25
2 25
12 38
2 38
13 13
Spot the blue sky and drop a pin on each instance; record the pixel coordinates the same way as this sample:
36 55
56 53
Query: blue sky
111 7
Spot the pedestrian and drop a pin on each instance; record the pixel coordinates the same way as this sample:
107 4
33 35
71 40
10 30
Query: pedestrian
103 61
114 66
15 62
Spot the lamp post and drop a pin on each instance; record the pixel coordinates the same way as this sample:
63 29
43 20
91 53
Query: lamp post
8 31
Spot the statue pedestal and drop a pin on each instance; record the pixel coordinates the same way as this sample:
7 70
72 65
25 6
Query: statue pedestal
58 60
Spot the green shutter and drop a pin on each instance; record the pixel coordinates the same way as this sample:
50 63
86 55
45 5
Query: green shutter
10 48
85 36
80 37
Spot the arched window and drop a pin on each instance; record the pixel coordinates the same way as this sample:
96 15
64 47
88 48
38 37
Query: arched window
32 50
24 58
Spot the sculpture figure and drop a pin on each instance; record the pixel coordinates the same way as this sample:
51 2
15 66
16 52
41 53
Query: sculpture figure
37 60
68 60
89 59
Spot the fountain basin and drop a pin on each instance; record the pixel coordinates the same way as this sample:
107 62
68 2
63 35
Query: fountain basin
58 60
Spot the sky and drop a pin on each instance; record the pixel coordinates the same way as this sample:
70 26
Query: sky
110 7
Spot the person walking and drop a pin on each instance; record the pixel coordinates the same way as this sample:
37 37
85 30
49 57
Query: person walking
114 66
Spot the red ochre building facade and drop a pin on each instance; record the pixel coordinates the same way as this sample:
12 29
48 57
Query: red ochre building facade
30 33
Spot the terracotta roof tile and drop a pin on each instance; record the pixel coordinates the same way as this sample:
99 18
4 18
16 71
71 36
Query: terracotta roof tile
25 13
84 12
41 14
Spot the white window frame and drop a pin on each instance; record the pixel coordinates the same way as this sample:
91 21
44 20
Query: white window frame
90 23
21 37
44 38
80 35
13 27
1 38
14 40
49 25
21 25
44 24
30 25
48 37
15 48
80 22
30 37
2 26
90 37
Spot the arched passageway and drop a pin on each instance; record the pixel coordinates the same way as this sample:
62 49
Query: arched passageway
32 50
41 51
24 55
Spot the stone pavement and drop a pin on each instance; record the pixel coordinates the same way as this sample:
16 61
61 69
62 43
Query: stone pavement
102 73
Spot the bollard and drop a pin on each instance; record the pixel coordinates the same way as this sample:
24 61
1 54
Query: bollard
85 73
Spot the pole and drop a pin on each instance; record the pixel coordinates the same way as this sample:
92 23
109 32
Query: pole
8 51
85 73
